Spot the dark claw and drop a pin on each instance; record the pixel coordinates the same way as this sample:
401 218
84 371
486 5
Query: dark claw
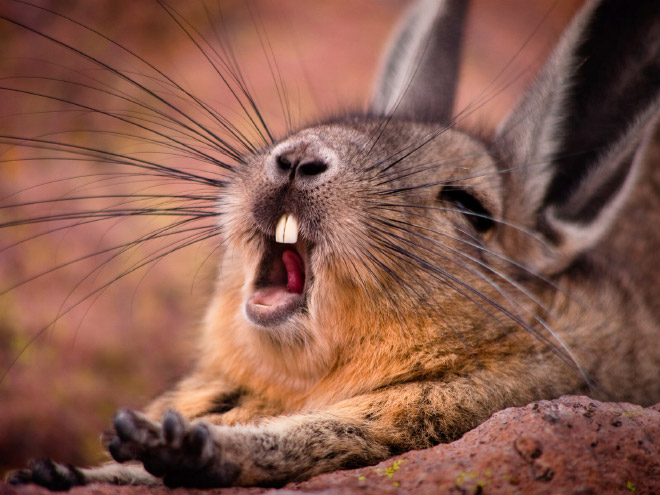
122 452
200 443
173 428
180 453
124 423
20 477
134 435
132 427
49 474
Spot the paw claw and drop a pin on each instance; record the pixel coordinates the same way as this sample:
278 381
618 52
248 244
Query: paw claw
122 452
124 423
49 474
19 477
199 441
173 428
136 428
180 453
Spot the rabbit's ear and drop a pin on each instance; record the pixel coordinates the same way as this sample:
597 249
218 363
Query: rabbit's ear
420 68
572 148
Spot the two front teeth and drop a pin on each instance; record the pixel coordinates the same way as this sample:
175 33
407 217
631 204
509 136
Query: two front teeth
286 231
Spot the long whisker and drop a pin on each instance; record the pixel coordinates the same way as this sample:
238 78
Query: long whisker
124 76
211 232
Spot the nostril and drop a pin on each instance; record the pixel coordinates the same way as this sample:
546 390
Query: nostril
283 163
297 165
312 168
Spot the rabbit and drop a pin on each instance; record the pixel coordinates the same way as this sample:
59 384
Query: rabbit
388 281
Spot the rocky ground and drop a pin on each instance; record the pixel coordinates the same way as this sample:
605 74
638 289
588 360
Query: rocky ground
572 445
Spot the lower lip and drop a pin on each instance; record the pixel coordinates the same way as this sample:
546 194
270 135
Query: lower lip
273 306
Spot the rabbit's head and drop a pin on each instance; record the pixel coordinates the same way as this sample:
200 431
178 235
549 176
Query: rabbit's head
401 218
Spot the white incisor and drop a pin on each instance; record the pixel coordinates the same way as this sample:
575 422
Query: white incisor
286 231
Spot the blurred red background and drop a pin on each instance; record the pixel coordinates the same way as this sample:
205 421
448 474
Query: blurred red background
122 345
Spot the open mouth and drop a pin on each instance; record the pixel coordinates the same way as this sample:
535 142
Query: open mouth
279 288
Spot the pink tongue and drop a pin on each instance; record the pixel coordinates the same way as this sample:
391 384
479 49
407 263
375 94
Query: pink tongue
295 271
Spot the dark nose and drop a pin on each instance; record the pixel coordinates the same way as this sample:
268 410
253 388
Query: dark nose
299 166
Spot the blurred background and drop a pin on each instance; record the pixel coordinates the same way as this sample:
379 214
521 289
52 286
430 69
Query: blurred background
99 300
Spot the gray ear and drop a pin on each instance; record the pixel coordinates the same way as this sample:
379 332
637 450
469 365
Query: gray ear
573 145
418 78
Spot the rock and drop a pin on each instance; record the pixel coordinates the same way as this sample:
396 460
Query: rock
572 445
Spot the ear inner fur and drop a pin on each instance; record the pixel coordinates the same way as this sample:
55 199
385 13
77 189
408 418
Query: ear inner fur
419 74
574 143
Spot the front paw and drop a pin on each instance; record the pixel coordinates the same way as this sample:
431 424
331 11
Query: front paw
181 453
49 474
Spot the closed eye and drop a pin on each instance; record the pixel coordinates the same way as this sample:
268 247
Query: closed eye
470 206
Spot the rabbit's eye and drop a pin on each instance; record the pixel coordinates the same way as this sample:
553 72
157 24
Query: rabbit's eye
467 204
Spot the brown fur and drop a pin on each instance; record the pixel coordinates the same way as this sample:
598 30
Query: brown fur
399 351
